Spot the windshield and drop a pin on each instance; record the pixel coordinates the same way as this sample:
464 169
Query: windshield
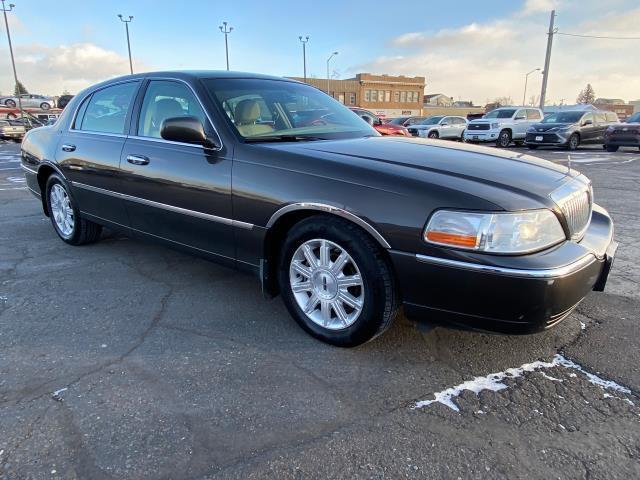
500 113
431 121
635 118
563 117
268 109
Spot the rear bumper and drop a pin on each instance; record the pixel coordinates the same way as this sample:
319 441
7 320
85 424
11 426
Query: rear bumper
505 298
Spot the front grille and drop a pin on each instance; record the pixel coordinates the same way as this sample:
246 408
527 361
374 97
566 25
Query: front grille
546 137
575 199
620 131
413 131
478 126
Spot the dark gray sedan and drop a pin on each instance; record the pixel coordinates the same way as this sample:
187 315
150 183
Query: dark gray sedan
274 177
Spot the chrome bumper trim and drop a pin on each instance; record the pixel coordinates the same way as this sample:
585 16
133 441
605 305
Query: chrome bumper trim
556 272
27 169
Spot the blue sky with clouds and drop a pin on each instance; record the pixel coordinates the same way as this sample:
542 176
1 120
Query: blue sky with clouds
464 48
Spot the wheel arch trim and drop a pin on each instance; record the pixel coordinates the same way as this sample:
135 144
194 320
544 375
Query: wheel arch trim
323 207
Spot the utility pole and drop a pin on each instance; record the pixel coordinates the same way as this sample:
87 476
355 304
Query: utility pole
328 60
126 26
13 62
526 79
547 59
223 28
304 55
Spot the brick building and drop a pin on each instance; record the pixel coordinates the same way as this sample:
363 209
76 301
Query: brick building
623 110
385 95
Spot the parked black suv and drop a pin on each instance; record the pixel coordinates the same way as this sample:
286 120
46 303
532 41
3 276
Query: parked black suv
623 134
569 129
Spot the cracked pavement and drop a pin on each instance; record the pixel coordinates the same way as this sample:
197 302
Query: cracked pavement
175 367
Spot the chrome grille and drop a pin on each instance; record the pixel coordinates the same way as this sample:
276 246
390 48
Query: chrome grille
575 199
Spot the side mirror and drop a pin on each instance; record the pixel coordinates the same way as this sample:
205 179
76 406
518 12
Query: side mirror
444 124
587 122
520 117
186 130
379 121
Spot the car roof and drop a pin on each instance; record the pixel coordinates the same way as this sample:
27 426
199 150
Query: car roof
198 74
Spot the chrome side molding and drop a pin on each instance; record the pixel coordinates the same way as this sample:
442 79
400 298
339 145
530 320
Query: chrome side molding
330 209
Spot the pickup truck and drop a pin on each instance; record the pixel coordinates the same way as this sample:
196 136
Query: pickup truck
9 129
503 126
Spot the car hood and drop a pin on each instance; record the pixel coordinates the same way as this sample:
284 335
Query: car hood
543 127
488 172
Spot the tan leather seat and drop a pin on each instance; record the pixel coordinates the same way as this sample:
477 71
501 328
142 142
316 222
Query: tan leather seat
246 114
159 111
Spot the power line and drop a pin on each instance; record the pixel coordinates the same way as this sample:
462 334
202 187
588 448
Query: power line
596 36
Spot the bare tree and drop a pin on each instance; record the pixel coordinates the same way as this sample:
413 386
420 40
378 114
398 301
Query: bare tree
586 96
503 101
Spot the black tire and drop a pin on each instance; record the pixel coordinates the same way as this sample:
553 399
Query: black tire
573 142
381 300
462 136
45 106
504 139
532 147
433 134
10 103
612 148
84 231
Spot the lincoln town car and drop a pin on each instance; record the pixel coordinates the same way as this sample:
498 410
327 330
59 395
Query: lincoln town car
274 177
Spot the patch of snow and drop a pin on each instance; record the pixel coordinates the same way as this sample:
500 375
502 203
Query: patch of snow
583 326
549 377
495 381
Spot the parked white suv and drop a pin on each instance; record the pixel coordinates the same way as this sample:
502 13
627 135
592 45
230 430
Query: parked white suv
503 126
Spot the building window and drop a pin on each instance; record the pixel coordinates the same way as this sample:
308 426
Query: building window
387 96
367 95
381 95
374 95
403 97
352 99
396 97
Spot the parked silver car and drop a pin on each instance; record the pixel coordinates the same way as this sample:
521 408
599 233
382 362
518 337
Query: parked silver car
29 101
440 126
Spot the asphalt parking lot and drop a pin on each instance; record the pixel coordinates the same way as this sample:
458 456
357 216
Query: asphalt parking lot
127 360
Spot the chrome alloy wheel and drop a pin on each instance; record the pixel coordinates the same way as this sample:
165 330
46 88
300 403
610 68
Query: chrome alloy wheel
326 284
61 210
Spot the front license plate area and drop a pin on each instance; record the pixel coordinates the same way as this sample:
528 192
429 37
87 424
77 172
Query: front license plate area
539 138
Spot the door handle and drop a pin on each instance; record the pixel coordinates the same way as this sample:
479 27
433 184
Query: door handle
137 159
68 148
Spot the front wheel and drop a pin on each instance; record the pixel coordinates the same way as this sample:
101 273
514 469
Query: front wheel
65 216
612 148
433 135
574 141
10 103
336 282
532 147
504 139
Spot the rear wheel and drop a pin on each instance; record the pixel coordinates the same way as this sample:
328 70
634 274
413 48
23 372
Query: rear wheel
573 142
504 139
65 216
433 135
45 106
336 282
612 148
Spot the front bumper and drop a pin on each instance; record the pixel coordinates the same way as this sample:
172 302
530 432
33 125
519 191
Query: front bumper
507 294
545 139
623 140
481 135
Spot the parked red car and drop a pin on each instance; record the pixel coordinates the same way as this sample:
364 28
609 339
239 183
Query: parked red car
377 123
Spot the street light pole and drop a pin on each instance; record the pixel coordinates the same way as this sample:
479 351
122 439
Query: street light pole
223 28
328 60
13 62
304 55
547 59
526 79
126 26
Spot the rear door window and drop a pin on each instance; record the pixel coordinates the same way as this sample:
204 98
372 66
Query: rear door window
533 114
107 109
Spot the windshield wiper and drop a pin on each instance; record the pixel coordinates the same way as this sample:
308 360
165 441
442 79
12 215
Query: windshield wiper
282 138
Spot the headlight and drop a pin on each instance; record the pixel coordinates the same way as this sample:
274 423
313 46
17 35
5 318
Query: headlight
495 125
519 232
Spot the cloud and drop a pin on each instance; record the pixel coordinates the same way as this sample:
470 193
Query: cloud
52 69
482 61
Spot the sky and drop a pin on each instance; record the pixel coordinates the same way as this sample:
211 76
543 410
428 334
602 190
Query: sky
466 49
